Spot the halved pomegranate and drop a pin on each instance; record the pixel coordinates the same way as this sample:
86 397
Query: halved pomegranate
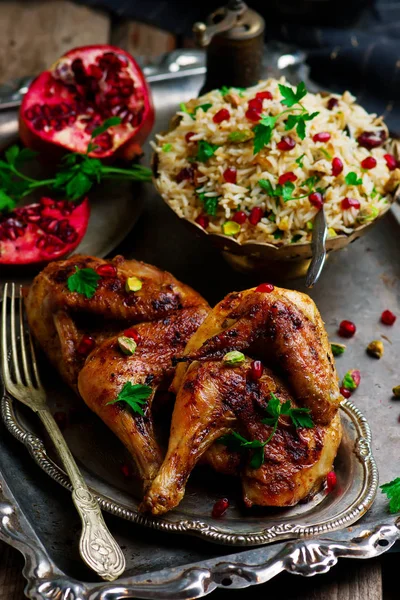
43 231
80 91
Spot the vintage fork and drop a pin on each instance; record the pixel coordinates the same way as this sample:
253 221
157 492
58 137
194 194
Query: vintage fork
97 547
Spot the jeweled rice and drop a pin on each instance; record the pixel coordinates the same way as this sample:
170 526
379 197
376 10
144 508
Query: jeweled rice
282 222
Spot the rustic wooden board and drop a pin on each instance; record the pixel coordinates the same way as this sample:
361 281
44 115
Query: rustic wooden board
34 34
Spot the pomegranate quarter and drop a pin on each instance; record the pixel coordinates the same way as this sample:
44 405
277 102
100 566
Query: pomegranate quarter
78 93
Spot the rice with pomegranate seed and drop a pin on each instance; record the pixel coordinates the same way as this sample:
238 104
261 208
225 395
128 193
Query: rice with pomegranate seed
217 132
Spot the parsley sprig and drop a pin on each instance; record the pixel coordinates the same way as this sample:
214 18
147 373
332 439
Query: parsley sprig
74 177
263 130
286 190
300 417
135 395
352 179
392 491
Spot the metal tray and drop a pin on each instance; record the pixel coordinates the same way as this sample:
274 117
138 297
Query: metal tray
358 283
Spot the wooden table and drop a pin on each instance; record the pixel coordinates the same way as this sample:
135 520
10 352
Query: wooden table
32 36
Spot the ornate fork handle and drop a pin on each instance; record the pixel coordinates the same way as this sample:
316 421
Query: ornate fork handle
97 546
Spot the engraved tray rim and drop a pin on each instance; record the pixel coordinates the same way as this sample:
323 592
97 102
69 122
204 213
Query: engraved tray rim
367 489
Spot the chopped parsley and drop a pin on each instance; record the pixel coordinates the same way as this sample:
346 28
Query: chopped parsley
83 281
352 179
135 395
296 238
210 203
299 160
325 153
167 148
278 235
205 150
392 491
204 107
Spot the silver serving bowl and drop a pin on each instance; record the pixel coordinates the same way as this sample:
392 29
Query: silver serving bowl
285 261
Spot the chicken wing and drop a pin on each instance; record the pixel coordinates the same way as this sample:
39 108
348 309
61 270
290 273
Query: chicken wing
285 329
59 318
215 399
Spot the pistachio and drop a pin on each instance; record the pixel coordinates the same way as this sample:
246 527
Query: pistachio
133 284
396 391
232 98
127 345
375 349
233 358
338 349
230 228
351 380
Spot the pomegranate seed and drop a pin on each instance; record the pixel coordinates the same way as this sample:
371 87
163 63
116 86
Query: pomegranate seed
337 166
350 203
371 139
185 174
264 95
387 317
126 471
331 481
220 508
230 175
345 392
203 221
189 135
239 217
256 104
332 102
323 136
132 333
347 329
222 115
86 345
289 176
265 288
390 161
106 271
287 143
47 202
256 369
368 163
253 115
316 200
60 418
256 215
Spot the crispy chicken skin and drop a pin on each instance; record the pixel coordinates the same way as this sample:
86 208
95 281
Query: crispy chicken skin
107 370
58 318
285 329
216 399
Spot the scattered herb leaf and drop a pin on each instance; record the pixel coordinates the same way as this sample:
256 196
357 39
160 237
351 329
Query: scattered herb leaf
135 395
392 491
352 179
205 150
291 96
299 160
83 281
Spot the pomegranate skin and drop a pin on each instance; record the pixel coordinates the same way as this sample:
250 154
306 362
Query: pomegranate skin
45 232
127 140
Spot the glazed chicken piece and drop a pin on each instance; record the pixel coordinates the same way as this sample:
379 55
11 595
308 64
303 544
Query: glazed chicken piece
216 399
285 329
59 319
107 370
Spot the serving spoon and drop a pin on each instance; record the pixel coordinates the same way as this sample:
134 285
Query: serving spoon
318 248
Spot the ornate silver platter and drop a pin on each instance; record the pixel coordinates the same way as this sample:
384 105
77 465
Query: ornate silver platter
36 515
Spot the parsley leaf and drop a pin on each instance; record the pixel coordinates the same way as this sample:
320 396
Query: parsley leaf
284 191
205 150
135 395
352 179
290 96
83 281
299 161
287 191
234 441
111 122
263 132
310 182
224 90
392 491
210 203
299 121
204 107
167 148
300 417
6 203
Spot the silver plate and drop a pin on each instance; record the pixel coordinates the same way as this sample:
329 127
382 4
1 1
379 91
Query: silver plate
36 515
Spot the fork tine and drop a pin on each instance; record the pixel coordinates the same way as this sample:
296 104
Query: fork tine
4 344
14 338
22 335
39 384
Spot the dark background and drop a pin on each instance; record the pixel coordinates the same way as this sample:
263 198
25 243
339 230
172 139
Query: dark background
351 44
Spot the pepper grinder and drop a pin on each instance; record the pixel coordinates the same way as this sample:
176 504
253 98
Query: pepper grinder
233 36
